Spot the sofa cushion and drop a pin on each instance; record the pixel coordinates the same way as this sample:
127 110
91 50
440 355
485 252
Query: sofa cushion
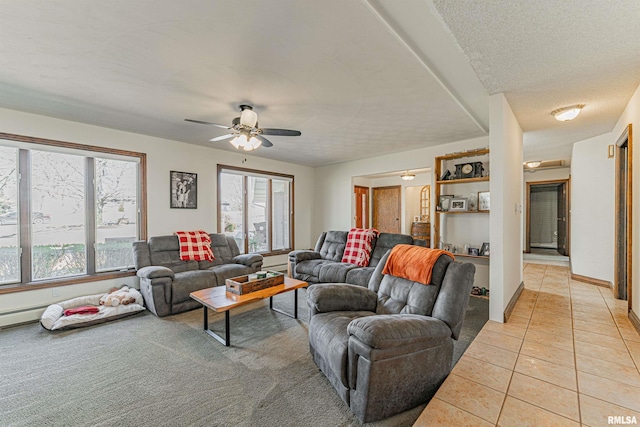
385 242
311 267
165 251
190 281
331 337
334 272
227 271
397 295
333 245
360 276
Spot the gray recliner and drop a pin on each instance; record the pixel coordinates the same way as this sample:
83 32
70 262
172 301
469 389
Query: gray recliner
387 348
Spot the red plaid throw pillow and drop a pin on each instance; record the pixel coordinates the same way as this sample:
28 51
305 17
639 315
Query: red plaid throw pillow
195 245
358 248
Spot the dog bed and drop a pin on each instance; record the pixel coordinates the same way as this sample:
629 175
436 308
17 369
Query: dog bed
54 319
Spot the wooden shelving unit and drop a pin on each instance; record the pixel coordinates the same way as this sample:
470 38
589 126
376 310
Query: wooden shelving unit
440 215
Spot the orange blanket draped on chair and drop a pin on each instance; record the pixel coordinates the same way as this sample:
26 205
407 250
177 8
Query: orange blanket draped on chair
413 262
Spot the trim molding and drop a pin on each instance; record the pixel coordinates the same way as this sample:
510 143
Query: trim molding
592 281
512 302
635 320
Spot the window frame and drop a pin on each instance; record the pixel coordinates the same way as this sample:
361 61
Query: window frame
24 195
245 173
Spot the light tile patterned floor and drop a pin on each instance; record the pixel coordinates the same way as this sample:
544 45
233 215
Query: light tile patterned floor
568 356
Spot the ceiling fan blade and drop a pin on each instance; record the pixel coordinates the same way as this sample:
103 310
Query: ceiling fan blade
221 137
281 132
207 123
265 142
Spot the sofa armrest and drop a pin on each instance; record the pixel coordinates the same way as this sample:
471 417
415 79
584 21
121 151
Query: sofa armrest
398 330
247 259
155 272
323 298
303 255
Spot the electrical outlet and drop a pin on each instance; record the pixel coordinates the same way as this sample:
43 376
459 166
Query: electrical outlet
55 292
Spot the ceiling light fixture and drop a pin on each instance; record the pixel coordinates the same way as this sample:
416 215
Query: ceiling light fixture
407 176
245 141
567 113
533 164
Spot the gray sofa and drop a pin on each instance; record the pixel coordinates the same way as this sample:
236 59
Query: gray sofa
388 348
323 265
166 281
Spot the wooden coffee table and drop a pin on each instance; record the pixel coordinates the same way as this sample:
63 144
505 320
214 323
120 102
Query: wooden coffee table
219 300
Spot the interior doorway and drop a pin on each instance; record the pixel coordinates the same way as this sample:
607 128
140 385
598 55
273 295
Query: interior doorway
361 217
386 209
622 285
547 228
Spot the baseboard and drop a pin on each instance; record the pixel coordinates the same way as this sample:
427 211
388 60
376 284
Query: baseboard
635 320
592 281
512 302
20 317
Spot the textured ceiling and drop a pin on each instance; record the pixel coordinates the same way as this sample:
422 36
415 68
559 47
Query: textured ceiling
330 69
546 54
358 78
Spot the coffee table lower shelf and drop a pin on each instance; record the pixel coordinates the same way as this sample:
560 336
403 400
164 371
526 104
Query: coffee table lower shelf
218 299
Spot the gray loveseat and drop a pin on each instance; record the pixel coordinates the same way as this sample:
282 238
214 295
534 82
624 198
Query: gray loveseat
388 348
166 281
323 265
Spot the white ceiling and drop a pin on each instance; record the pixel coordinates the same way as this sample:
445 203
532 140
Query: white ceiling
358 78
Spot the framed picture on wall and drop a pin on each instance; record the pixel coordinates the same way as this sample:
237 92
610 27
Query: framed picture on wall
484 200
184 190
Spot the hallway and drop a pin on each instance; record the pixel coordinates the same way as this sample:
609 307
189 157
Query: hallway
568 356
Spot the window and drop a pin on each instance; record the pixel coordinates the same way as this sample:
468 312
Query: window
256 209
9 248
67 210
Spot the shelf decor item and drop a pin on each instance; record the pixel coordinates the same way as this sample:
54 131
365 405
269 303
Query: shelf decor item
469 170
484 200
444 202
473 251
459 205
484 250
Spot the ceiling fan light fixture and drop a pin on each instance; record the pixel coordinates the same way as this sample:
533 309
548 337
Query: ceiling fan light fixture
248 117
240 141
567 113
407 176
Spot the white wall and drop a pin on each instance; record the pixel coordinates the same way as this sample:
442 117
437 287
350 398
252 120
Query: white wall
592 208
334 182
162 156
506 206
405 218
631 115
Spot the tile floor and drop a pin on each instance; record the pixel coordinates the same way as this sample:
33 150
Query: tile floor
568 356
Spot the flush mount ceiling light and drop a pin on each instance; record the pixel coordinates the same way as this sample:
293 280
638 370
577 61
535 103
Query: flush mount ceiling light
407 176
567 113
533 164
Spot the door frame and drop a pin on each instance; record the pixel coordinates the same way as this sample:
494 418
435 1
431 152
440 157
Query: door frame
527 230
625 137
366 220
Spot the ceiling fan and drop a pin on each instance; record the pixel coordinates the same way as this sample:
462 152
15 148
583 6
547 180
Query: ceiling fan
245 131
